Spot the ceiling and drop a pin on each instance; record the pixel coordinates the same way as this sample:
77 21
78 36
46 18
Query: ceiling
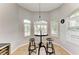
44 7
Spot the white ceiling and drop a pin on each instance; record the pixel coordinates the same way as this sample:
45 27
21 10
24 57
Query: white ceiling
44 7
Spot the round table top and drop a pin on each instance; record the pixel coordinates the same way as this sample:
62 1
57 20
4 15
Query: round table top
41 35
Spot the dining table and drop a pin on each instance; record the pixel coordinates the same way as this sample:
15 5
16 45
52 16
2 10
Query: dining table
41 44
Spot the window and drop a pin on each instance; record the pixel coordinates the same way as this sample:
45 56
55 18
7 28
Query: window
40 27
54 26
73 23
27 27
75 14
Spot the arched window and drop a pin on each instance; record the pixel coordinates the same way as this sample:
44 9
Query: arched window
40 26
27 27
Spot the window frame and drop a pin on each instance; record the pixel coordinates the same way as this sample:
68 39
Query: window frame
41 25
70 17
29 26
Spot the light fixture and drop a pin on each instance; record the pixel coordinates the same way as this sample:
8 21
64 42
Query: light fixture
39 18
39 12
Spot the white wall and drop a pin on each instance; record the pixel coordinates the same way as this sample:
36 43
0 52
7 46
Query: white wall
64 12
24 14
9 25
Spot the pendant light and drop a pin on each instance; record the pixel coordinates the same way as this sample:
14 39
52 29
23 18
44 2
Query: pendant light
39 12
39 20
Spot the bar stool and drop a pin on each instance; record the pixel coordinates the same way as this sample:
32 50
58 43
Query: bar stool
32 46
49 47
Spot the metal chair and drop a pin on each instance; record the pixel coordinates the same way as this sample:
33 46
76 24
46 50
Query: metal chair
32 46
49 47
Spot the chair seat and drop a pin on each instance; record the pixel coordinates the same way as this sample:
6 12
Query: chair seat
50 50
32 47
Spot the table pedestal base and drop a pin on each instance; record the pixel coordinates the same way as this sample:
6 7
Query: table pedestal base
40 46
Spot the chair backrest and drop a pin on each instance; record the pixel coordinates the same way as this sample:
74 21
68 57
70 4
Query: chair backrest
32 41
